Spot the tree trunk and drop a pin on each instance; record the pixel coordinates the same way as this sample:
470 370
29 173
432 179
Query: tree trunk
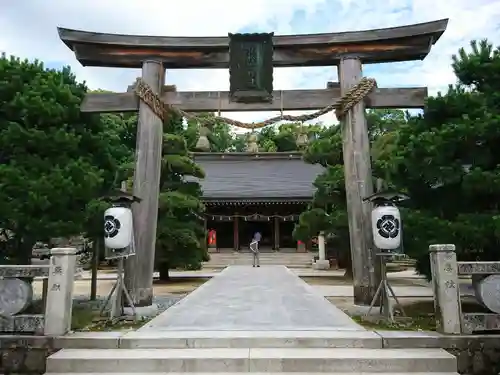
348 273
163 269
24 254
96 247
343 256
348 265
24 251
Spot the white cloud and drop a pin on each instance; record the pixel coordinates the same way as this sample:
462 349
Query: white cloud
28 29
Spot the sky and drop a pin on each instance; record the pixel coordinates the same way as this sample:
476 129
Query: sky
28 29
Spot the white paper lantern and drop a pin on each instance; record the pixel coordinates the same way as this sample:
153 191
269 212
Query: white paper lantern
386 226
118 226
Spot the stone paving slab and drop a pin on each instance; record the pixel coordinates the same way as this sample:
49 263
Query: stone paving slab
208 273
253 334
250 339
243 298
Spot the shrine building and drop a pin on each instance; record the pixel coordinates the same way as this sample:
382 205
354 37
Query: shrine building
249 192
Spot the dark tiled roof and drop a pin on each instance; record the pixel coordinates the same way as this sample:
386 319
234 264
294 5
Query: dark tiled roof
266 175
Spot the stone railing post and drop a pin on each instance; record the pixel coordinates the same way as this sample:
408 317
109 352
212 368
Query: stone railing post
322 263
59 306
446 288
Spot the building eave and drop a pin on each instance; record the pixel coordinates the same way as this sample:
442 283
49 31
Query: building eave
255 201
246 155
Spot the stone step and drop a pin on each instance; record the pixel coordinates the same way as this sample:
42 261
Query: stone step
249 257
263 256
325 360
251 339
224 265
267 255
253 373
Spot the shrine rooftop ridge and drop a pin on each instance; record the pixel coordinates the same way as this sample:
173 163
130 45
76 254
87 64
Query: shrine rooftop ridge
404 43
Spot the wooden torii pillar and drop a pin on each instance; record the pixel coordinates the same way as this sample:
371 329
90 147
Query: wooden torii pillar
347 50
358 184
139 268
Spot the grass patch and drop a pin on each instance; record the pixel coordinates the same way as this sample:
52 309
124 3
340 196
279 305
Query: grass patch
419 317
102 324
421 323
88 319
82 317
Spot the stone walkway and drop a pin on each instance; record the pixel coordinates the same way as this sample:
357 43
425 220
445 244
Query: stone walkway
245 298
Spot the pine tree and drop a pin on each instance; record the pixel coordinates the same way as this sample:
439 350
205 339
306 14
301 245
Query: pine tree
180 239
54 159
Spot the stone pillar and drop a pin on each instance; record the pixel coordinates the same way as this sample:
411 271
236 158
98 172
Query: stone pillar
58 309
358 185
139 268
322 263
321 246
446 288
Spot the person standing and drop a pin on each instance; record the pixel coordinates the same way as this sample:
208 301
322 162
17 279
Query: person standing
254 248
257 237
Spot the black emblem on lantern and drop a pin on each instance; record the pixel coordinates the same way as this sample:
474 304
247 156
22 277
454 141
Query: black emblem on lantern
111 226
388 226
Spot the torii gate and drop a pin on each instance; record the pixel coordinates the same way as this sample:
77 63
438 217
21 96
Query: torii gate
347 50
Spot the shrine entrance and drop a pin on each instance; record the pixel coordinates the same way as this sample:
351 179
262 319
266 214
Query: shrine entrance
235 230
251 59
265 227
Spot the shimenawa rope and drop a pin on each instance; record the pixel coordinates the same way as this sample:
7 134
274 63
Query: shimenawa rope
357 93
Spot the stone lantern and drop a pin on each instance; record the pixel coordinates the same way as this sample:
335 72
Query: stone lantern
203 144
252 145
302 139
